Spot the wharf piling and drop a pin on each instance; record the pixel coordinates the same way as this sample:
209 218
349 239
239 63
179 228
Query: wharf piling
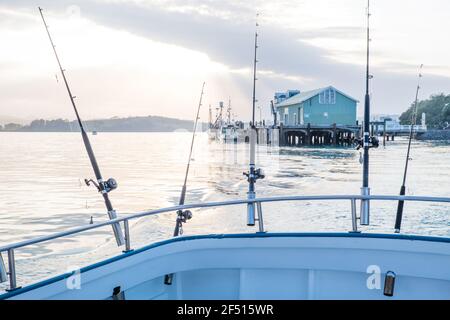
296 136
314 135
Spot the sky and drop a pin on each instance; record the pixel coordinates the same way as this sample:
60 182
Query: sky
150 57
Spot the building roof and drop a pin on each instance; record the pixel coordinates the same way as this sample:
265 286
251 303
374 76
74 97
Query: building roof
306 95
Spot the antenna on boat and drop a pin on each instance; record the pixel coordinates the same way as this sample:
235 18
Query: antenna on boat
104 187
401 203
210 117
183 216
367 141
253 174
229 111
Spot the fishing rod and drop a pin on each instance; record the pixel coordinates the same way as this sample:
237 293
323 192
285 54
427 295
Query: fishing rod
184 216
253 174
367 142
104 187
401 203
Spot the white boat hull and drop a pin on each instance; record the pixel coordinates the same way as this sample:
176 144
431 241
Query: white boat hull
265 266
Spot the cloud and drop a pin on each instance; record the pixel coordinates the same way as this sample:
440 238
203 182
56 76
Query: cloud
289 57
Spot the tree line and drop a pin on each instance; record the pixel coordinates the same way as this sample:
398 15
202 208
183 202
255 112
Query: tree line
436 108
130 124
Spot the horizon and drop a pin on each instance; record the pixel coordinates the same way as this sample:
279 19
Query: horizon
27 122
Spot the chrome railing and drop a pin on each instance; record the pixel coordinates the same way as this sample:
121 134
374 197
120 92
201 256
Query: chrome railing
10 249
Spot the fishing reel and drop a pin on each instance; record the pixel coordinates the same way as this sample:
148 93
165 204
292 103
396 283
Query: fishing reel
256 175
182 217
106 186
373 143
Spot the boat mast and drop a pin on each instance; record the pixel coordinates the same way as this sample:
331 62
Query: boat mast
229 111
365 190
210 117
104 187
401 203
253 174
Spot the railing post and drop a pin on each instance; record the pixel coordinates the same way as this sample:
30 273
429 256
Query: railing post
126 226
260 217
12 270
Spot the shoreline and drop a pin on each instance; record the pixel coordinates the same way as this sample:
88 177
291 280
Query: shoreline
435 135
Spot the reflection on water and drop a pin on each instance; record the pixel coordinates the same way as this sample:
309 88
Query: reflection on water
42 193
316 153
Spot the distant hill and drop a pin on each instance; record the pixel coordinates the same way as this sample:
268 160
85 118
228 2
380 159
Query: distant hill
9 119
130 124
436 108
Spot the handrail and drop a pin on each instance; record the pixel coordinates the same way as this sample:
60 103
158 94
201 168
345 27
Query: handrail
221 204
10 247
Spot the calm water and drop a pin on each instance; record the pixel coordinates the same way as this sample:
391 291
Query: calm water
42 190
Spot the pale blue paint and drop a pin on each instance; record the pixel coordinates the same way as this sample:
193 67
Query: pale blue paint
343 112
265 266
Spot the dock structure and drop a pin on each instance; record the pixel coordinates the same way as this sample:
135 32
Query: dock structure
296 136
318 135
389 129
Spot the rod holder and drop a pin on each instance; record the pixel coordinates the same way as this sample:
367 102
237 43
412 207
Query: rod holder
118 234
12 270
260 217
354 217
365 208
251 210
126 227
3 273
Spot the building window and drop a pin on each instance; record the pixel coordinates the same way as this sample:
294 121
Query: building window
332 96
327 96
